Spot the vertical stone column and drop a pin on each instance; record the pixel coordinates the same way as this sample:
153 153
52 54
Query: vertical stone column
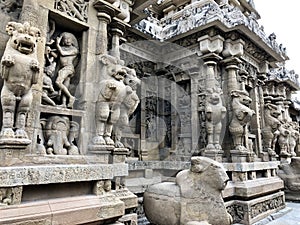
239 101
211 46
102 40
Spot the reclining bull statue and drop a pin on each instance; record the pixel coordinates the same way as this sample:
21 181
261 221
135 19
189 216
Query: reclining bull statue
194 197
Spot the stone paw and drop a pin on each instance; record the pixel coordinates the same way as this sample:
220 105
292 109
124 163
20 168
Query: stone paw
109 141
7 133
210 147
119 144
272 153
8 61
99 140
241 148
34 65
20 133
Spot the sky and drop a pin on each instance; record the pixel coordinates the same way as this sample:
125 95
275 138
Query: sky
283 18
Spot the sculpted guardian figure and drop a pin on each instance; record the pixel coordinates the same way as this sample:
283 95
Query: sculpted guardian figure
270 128
242 115
215 112
129 104
19 70
112 94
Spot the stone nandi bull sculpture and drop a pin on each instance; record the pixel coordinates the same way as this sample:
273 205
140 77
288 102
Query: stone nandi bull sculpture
19 70
196 196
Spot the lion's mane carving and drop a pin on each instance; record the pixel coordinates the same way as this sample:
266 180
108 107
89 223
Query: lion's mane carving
19 70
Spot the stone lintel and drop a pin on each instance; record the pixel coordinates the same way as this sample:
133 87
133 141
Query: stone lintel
242 167
47 174
71 210
211 57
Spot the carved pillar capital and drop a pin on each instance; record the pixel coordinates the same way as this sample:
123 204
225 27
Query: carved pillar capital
210 44
233 48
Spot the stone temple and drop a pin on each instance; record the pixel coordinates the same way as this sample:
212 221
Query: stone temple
102 100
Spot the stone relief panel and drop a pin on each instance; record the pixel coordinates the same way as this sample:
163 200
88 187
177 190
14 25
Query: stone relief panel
62 56
19 70
58 136
10 195
74 8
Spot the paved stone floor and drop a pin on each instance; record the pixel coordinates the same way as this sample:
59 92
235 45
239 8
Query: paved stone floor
288 216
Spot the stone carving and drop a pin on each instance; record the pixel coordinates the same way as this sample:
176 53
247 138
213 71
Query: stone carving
129 104
289 173
215 112
294 137
68 50
19 70
241 116
59 134
270 128
196 193
112 93
12 7
283 139
11 195
101 187
74 8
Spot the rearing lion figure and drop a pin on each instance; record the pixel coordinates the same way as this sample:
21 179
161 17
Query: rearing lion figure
19 70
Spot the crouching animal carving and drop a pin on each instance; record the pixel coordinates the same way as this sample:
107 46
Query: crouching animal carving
241 117
112 93
194 196
19 70
270 128
215 112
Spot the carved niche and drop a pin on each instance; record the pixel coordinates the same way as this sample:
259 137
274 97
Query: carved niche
61 59
58 136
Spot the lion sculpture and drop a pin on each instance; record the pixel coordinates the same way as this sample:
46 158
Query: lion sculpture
19 70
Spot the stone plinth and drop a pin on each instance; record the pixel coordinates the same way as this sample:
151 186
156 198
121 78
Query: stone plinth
72 210
256 189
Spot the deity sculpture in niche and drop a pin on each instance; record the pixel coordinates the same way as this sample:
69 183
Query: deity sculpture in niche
59 134
112 93
270 128
68 50
241 116
19 70
129 104
215 112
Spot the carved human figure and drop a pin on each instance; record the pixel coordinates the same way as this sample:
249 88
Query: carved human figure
129 104
270 128
112 93
193 197
19 70
241 116
67 47
215 112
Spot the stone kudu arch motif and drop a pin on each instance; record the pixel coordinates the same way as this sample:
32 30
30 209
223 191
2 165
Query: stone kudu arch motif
194 195
19 70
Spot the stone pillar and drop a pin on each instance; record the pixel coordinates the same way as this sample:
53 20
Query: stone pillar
115 49
210 46
238 99
102 41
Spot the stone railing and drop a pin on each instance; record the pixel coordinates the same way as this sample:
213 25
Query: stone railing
201 13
